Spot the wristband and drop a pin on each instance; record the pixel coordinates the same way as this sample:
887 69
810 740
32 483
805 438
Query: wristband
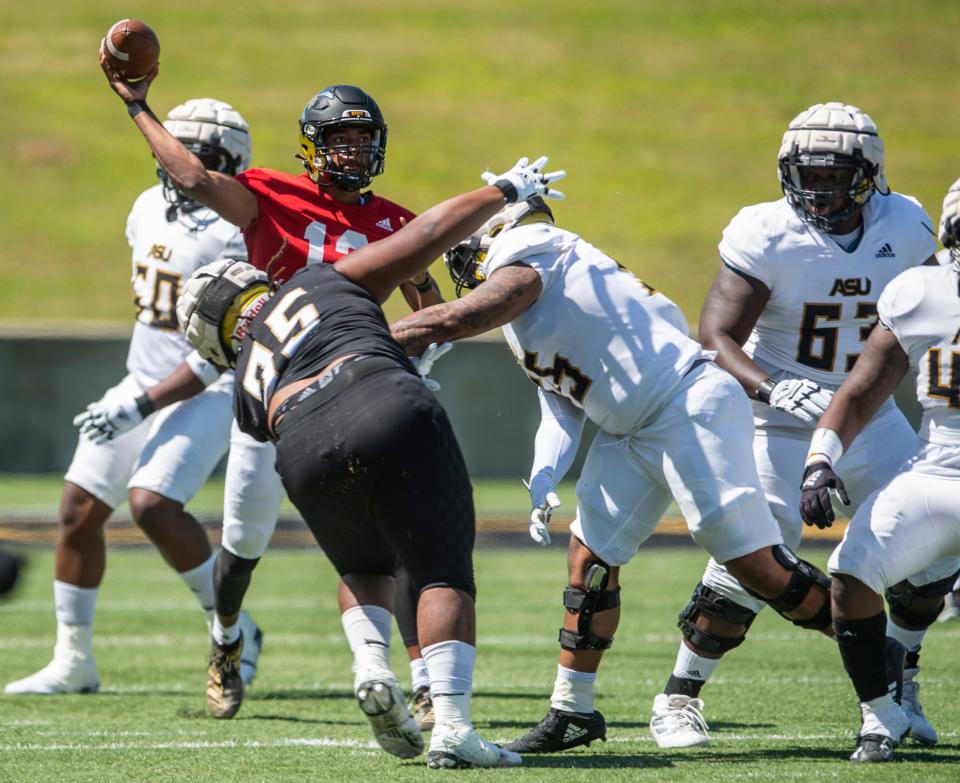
825 446
145 405
508 189
426 286
765 389
137 106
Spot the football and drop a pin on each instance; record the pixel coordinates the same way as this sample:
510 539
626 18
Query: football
132 48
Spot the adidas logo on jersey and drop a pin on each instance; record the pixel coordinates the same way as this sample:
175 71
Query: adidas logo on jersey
885 252
385 224
573 733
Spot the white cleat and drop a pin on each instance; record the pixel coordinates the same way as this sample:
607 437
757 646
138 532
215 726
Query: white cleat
921 730
880 732
677 721
951 608
252 645
393 726
74 674
463 748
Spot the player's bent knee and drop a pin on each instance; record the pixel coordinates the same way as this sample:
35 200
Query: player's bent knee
708 603
596 596
246 541
804 579
919 605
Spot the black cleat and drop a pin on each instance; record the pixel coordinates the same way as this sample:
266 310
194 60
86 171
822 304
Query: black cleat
872 748
561 730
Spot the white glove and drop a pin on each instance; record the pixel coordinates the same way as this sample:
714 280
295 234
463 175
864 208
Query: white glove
102 421
425 361
801 398
524 181
543 496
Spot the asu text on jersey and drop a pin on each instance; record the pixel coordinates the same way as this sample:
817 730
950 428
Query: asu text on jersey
165 253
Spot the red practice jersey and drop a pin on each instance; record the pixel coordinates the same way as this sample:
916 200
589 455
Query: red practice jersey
317 228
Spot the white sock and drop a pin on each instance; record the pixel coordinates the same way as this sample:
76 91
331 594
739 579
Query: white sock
691 666
200 582
573 691
368 629
418 674
73 642
224 634
450 665
909 639
74 605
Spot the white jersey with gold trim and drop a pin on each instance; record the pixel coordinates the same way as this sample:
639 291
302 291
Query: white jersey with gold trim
596 335
922 309
164 255
823 299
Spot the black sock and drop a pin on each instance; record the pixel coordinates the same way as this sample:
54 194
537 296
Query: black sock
683 685
231 578
862 650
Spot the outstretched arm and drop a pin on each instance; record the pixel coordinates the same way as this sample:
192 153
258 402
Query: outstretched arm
382 266
496 302
222 193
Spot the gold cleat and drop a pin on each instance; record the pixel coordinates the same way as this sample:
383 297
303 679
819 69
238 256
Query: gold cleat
224 685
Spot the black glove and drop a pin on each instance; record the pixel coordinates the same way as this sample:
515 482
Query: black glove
815 506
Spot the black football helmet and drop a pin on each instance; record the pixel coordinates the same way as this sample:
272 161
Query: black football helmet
333 107
464 261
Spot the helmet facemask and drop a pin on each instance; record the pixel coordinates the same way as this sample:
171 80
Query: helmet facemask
831 136
320 159
464 261
949 233
813 204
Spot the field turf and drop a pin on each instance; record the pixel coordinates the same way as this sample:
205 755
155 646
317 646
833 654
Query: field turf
780 707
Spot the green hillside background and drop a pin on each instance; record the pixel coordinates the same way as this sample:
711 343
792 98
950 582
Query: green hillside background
667 116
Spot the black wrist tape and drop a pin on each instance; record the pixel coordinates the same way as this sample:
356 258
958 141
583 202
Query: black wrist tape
506 187
137 106
145 405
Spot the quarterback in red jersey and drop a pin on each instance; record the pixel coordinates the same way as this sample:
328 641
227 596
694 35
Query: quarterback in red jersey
288 222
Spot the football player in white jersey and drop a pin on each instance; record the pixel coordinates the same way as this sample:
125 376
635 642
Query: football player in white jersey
913 522
788 313
162 462
601 345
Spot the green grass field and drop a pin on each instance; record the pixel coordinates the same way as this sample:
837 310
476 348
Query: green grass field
780 707
668 116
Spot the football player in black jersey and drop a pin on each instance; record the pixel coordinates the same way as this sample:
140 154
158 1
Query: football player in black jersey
365 451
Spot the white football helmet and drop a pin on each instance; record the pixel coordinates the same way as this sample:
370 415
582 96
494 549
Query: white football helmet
210 307
831 135
213 131
464 260
950 223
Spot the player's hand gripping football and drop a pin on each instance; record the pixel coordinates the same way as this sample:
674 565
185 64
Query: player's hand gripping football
526 180
543 496
103 421
425 361
128 91
801 398
815 506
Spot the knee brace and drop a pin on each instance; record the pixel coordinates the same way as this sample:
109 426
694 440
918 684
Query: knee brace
586 603
903 603
231 578
708 602
804 577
